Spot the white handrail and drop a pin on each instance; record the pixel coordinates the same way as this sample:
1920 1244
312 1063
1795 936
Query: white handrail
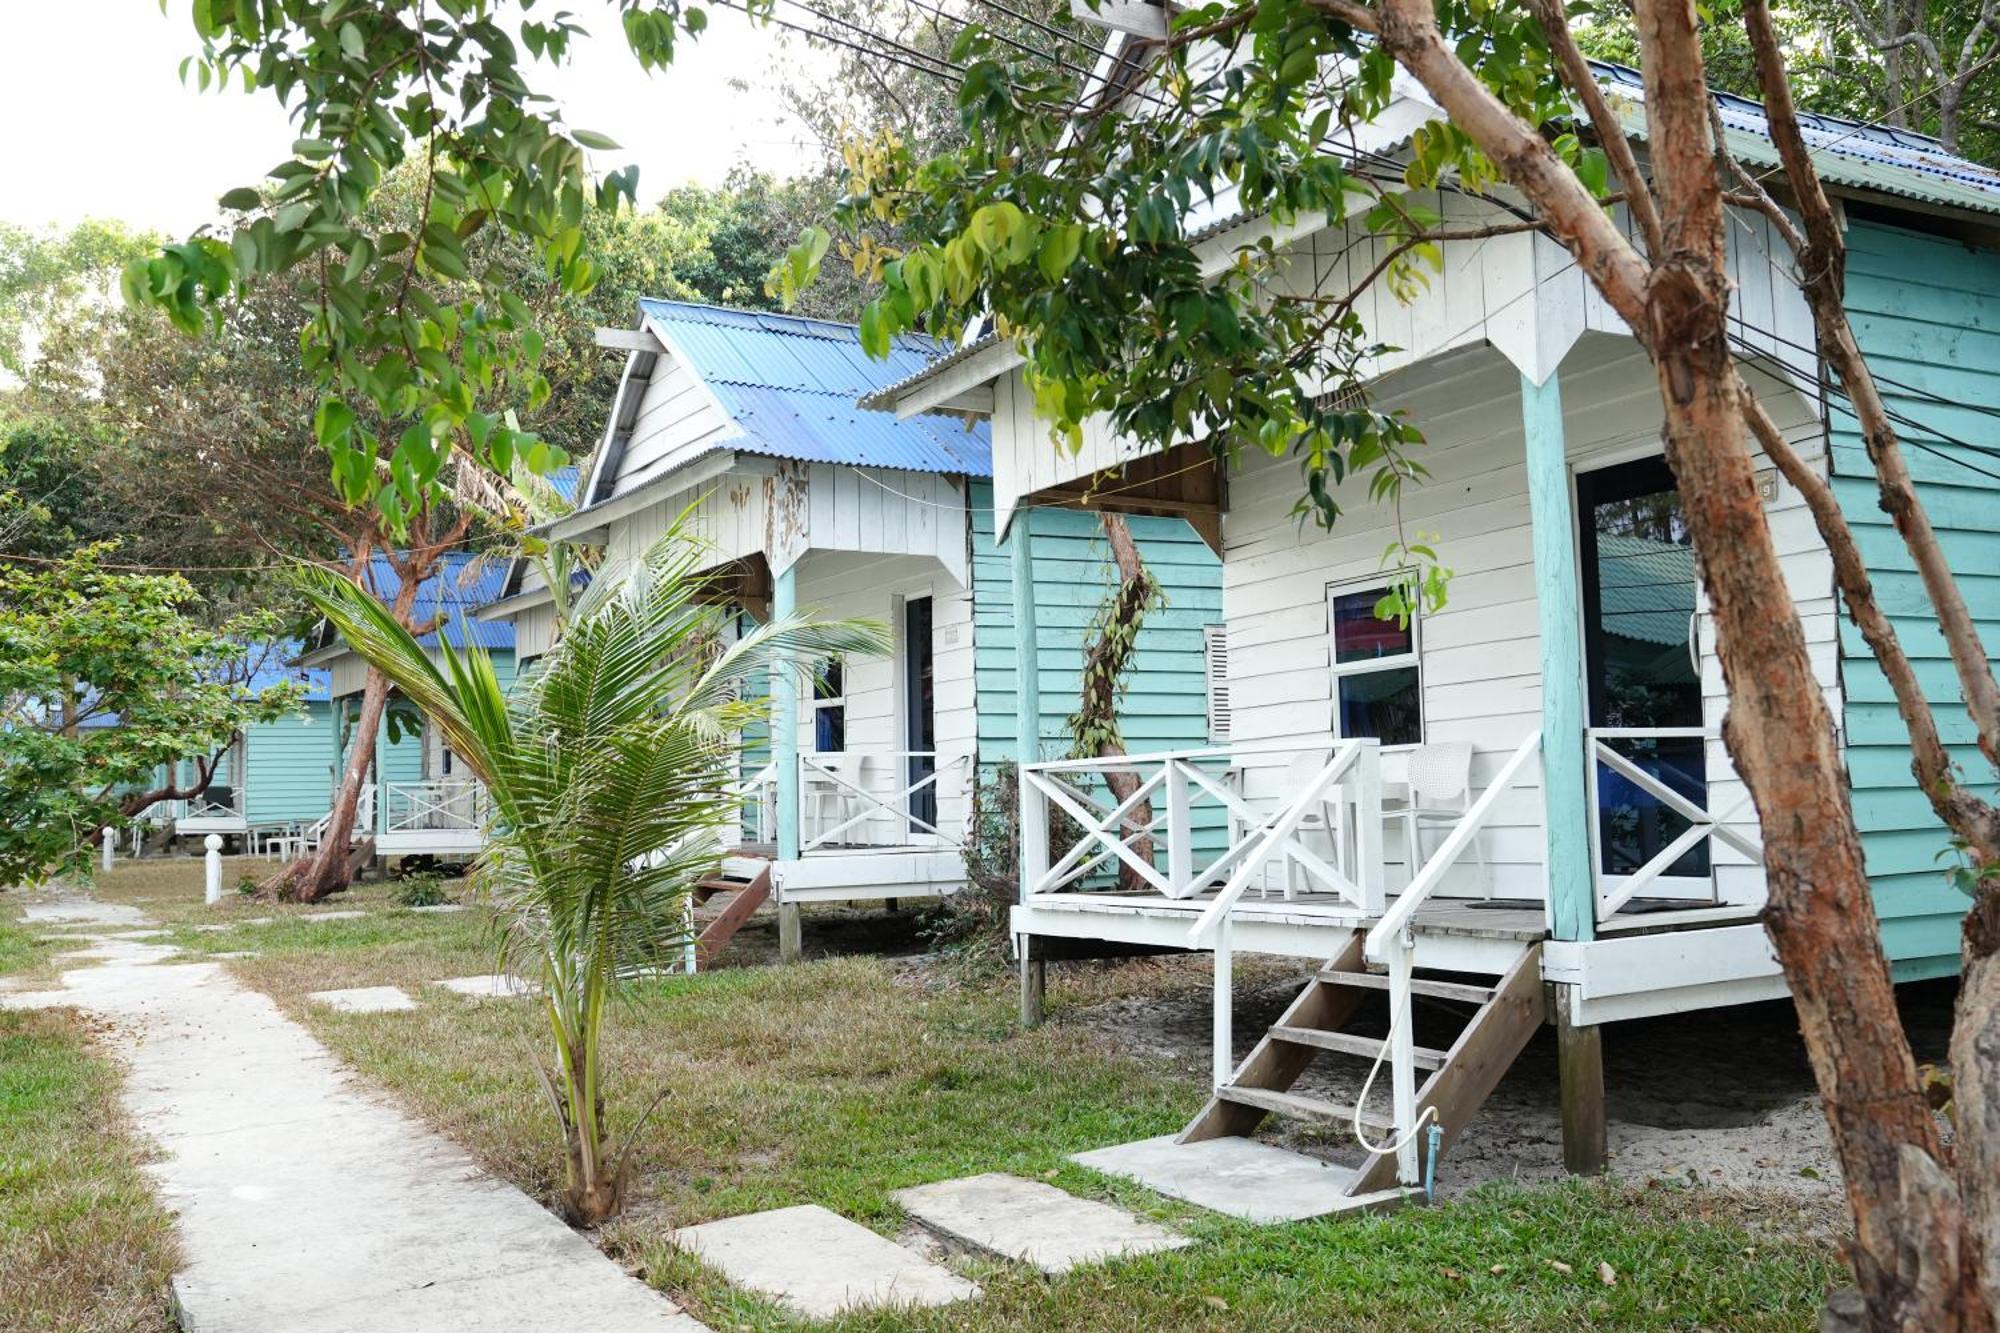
1702 824
413 805
1281 830
1397 919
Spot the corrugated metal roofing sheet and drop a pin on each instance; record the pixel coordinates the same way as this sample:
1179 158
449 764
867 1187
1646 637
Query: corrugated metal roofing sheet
792 385
462 585
1851 153
1645 588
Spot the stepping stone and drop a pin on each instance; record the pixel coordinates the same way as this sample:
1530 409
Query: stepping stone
1032 1222
364 999
1239 1177
438 907
84 911
215 926
238 953
489 987
818 1264
330 916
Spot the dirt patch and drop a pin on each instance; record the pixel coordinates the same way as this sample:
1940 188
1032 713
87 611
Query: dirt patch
1723 1099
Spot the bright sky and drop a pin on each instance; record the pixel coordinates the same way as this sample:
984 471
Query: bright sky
95 123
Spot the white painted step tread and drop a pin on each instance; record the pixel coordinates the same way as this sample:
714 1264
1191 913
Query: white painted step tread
818 1263
1033 1222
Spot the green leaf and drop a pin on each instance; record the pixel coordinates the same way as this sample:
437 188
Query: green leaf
243 199
592 139
352 42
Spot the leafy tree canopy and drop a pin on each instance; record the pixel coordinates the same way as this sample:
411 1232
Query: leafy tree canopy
107 681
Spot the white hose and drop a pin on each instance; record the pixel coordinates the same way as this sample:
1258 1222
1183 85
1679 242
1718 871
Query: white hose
1360 1136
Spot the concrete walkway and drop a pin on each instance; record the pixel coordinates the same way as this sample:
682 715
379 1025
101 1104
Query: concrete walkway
307 1203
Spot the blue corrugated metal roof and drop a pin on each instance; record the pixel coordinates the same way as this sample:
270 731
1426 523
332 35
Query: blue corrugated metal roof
462 584
1846 152
792 385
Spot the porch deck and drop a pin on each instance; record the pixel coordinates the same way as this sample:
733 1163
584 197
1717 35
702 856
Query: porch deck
852 873
1452 934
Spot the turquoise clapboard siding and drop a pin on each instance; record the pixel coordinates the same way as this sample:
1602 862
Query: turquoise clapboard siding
1927 313
1165 705
289 766
1166 702
402 759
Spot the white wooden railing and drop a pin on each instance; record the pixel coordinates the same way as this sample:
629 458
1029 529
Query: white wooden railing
207 806
1613 892
863 804
757 797
1177 783
437 804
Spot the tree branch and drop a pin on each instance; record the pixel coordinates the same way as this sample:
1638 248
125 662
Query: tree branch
1611 134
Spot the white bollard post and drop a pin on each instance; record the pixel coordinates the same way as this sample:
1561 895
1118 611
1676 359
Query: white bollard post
214 844
110 841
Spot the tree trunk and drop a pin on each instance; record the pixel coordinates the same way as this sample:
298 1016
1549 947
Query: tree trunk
330 868
1104 667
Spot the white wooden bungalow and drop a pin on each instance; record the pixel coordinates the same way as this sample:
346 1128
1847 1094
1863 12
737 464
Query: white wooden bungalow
748 421
274 780
420 801
1524 794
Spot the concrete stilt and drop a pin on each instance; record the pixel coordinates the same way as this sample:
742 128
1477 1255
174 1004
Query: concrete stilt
1580 1071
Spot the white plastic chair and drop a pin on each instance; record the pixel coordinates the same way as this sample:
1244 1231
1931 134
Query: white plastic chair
827 797
1440 783
1323 820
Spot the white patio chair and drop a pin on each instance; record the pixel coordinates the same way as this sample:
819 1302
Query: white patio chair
829 799
1440 783
1323 820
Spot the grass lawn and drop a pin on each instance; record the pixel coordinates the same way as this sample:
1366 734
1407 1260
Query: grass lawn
83 1244
839 1081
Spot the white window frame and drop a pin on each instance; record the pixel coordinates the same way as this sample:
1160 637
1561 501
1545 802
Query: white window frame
836 701
1368 666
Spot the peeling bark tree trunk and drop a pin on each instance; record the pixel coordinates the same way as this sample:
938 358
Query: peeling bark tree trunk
1096 722
1820 913
331 867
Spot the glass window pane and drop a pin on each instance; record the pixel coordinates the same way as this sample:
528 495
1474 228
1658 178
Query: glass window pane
827 682
1358 635
1384 704
830 729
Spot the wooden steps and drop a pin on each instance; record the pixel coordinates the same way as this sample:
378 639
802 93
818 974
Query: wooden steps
749 897
1502 1018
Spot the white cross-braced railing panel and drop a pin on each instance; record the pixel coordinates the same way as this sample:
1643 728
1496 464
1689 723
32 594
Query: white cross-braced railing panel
1202 831
441 804
853 796
1614 892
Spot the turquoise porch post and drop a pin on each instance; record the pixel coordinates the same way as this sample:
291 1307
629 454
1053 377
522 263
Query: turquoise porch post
1559 602
785 765
785 720
1027 656
1565 756
1033 841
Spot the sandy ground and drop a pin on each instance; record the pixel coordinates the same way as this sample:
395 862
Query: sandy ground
1723 1099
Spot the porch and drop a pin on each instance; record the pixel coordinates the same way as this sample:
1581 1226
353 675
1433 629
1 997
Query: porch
429 817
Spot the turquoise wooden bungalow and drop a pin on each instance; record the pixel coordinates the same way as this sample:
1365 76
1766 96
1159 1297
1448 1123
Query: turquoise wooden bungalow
420 800
1523 795
862 788
276 780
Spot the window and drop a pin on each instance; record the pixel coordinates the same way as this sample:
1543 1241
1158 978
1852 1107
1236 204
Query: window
830 707
1377 679
1215 671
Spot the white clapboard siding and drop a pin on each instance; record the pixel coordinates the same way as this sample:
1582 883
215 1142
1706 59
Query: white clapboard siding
842 586
1520 293
1481 652
782 510
534 631
678 420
